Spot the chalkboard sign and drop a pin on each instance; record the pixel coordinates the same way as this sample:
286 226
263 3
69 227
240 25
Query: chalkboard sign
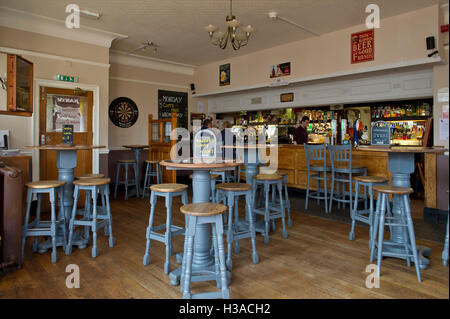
381 133
205 146
67 134
173 102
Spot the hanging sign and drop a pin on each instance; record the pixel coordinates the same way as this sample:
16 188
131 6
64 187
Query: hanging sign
362 46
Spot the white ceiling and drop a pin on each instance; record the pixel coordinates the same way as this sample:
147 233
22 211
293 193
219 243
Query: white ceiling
176 26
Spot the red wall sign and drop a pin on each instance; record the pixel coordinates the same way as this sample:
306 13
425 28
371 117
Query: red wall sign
362 46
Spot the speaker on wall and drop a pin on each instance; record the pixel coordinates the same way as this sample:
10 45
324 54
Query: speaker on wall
192 88
430 44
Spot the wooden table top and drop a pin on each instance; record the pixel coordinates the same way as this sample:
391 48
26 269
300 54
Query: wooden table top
136 146
402 149
190 164
65 148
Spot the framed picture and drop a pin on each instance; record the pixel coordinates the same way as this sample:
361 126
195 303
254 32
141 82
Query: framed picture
278 70
362 46
224 74
287 97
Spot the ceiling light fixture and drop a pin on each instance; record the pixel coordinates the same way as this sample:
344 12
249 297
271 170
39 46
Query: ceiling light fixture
236 34
90 14
144 46
274 16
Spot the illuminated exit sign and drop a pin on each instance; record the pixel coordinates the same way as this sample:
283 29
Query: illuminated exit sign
66 78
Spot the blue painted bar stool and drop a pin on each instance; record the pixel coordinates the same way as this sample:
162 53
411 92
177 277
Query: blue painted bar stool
287 202
445 250
149 173
198 214
270 211
404 250
168 191
365 215
44 227
87 201
318 155
92 218
126 164
235 230
342 171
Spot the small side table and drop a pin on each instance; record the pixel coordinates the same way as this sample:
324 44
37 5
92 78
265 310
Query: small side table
137 152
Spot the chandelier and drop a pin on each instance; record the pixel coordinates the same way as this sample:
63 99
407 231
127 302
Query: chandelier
236 34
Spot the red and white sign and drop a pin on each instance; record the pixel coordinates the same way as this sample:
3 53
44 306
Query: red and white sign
362 46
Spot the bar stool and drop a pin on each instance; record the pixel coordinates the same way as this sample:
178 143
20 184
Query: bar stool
405 221
445 250
316 153
95 220
342 171
198 214
149 173
271 211
168 191
126 165
214 178
365 215
44 227
235 231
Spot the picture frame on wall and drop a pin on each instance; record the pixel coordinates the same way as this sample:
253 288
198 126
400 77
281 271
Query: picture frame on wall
224 74
282 69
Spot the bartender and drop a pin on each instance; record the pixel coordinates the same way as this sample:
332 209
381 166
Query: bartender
301 132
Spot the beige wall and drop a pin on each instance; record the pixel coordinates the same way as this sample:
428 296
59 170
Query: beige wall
440 80
400 39
46 68
141 85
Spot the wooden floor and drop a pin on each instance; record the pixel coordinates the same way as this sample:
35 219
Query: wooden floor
316 261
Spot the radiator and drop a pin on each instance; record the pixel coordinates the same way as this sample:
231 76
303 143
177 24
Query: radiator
11 201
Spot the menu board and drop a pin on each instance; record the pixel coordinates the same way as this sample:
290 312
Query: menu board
67 134
381 134
205 145
173 102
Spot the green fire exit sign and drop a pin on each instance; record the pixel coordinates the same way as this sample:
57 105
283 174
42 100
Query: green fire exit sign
66 78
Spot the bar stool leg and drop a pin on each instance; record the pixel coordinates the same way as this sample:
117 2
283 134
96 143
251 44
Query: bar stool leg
411 235
307 188
62 217
146 259
255 257
288 203
168 234
136 178
108 209
375 228
332 190
353 213
87 212
405 235
266 212
230 196
38 220
72 220
27 219
94 223
215 246
53 225
280 193
371 214
190 233
117 180
218 228
145 180
381 232
237 248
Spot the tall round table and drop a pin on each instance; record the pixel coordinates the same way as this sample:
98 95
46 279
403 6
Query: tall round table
137 152
66 161
401 164
203 262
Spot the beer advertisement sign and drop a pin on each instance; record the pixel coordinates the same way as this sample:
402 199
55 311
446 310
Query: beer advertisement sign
362 46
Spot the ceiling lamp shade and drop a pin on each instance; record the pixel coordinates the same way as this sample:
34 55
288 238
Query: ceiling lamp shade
235 34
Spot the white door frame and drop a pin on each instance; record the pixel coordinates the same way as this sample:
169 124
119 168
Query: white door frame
38 83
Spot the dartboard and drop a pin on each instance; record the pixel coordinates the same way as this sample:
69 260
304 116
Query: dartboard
123 112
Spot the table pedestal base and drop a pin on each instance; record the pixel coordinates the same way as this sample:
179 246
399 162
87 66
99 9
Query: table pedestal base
422 252
78 240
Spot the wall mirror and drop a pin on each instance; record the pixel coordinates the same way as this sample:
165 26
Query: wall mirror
16 85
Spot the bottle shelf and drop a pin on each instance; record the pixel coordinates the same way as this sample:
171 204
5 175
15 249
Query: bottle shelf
401 119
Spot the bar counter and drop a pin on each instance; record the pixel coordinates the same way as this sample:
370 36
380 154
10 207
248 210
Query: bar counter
291 158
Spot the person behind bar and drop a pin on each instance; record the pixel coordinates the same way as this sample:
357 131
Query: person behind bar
206 124
301 132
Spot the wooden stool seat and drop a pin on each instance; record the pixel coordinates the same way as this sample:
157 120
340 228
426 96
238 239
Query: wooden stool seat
126 161
370 179
152 161
395 190
86 176
168 188
92 182
45 184
234 186
268 177
203 209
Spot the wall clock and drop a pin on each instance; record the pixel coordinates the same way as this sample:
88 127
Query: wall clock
123 112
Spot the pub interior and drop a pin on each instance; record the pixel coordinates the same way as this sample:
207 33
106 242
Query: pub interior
152 150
